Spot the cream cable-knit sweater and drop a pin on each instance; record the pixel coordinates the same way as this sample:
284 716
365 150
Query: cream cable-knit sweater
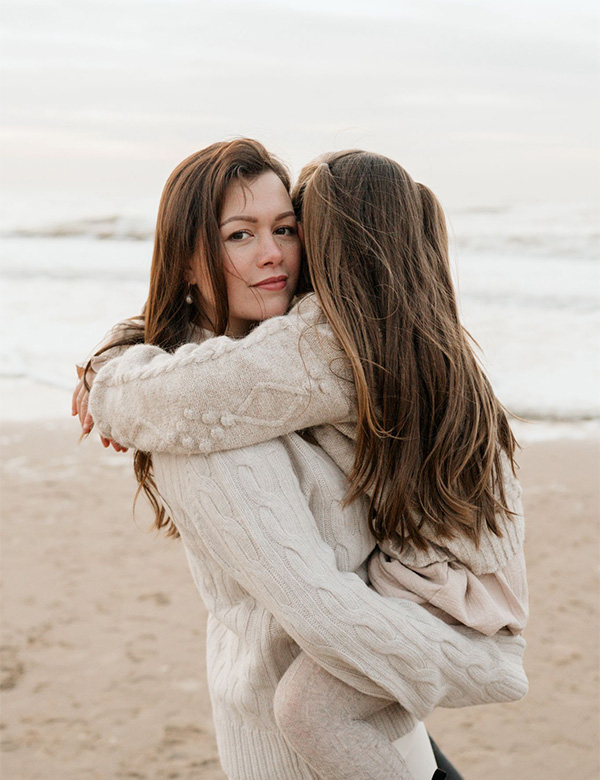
288 374
261 565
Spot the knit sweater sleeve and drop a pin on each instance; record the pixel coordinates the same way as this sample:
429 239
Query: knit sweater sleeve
263 533
126 329
289 373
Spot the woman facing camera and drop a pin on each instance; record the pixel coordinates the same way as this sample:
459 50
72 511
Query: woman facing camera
276 523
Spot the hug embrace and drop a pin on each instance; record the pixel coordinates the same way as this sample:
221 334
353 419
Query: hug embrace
308 415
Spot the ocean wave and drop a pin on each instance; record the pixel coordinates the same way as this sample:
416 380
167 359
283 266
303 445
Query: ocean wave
581 303
111 228
533 230
37 378
567 245
103 275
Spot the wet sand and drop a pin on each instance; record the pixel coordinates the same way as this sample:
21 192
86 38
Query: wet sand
103 632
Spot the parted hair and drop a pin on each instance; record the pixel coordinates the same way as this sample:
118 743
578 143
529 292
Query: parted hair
430 429
187 228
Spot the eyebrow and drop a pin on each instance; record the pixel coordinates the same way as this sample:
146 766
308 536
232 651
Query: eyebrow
245 218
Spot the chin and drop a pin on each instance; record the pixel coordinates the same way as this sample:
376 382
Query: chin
275 308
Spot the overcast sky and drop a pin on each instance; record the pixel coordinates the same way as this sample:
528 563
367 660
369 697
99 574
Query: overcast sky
487 102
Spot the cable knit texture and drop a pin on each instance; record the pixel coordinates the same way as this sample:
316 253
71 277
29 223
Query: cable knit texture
270 575
271 549
288 374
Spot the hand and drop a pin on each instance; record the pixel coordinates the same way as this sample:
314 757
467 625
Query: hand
79 407
79 402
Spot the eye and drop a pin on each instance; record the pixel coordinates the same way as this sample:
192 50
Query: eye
239 235
285 230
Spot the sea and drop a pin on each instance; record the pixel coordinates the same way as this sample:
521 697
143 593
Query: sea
527 276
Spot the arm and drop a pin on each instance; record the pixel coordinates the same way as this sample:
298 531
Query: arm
246 507
79 406
129 330
287 374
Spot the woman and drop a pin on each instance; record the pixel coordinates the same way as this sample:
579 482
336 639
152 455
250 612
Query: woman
268 576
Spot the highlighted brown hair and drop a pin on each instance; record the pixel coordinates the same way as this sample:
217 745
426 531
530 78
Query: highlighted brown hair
430 429
187 227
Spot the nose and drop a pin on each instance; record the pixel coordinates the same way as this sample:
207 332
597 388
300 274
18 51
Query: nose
270 252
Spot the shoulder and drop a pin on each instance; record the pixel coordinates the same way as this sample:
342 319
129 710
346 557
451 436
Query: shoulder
489 556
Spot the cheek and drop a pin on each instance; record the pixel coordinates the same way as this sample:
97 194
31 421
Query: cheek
237 266
293 252
295 261
236 288
240 297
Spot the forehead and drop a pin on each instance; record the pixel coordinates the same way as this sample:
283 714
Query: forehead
259 196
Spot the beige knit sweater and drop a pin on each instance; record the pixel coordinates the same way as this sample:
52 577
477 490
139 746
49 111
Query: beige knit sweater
269 542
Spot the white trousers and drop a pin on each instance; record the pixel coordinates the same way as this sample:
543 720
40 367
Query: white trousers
416 750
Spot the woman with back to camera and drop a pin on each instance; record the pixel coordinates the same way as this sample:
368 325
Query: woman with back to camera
303 342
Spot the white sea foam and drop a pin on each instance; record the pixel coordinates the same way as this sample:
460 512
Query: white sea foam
532 305
59 297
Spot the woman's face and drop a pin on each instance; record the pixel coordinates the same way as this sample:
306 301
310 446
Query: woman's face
261 251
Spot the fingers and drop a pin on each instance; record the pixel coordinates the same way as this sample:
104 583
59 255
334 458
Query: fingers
109 442
79 406
83 397
88 422
74 401
78 395
82 406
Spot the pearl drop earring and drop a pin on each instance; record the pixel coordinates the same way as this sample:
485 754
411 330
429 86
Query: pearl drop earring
188 297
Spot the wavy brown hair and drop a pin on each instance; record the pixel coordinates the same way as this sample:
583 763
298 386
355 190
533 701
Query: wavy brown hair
430 429
187 227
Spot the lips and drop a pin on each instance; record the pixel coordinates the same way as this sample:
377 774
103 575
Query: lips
272 283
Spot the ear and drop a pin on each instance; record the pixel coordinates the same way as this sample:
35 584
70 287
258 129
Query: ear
190 275
301 232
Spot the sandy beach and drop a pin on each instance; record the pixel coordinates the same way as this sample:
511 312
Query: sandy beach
103 632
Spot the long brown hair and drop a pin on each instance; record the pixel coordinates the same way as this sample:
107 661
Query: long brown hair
430 429
187 227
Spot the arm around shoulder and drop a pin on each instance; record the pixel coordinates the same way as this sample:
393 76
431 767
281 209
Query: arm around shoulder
263 534
289 373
